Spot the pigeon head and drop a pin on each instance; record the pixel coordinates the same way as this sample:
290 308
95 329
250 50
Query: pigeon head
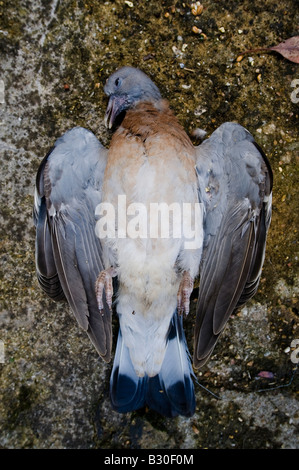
126 87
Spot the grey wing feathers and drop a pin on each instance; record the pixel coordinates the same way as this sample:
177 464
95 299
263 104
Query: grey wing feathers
47 274
68 252
235 184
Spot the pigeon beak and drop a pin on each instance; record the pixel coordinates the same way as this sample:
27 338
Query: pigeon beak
116 105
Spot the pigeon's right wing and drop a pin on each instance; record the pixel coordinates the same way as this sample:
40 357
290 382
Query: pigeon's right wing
68 252
235 186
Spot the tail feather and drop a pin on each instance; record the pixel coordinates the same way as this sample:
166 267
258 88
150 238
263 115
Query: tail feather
176 391
170 393
127 390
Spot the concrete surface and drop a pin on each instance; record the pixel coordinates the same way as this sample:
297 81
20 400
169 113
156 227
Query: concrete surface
55 58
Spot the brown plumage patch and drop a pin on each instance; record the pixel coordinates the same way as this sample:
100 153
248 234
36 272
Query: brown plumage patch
150 131
147 120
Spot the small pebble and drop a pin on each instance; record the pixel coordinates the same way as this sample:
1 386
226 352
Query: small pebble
196 30
265 374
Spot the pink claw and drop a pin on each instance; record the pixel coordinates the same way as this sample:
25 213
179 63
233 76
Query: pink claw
184 292
104 281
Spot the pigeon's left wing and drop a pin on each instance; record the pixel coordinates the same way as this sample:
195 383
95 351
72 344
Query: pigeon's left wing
235 185
68 252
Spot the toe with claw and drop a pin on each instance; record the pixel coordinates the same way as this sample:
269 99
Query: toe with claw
104 282
184 292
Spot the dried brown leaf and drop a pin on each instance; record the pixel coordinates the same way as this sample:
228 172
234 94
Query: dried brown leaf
288 49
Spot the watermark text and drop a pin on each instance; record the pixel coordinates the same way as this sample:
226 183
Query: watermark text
155 220
295 93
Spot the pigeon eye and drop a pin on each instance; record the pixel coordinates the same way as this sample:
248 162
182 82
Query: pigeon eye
117 81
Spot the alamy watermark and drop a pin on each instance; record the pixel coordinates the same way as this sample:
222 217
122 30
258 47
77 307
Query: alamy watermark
295 353
295 93
155 220
2 88
2 353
